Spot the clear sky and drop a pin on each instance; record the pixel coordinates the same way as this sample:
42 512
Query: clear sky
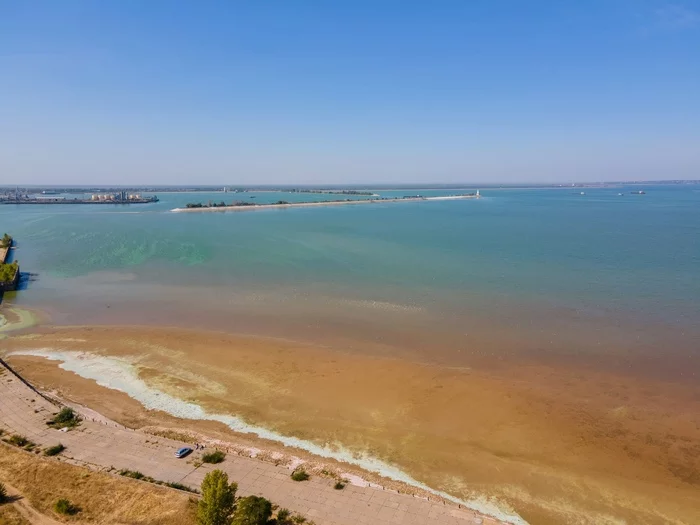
172 92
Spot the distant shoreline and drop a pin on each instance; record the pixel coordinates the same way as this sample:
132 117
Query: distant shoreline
321 203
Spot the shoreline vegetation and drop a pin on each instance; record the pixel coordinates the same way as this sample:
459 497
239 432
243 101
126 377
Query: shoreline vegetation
245 205
306 190
9 272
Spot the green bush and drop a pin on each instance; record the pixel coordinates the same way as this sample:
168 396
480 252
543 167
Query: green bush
339 485
20 441
300 475
63 506
252 510
180 486
65 418
213 457
135 474
8 271
285 517
53 451
6 241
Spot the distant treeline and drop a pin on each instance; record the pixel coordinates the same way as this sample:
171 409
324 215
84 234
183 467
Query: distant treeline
332 192
222 204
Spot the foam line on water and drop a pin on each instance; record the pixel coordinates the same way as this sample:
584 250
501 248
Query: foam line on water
120 374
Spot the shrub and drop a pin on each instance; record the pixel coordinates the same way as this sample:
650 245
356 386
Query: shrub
65 418
55 450
135 474
131 474
339 485
20 441
252 510
213 457
285 517
63 506
300 475
3 493
218 498
179 486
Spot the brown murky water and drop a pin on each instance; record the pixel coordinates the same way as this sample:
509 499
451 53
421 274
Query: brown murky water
561 439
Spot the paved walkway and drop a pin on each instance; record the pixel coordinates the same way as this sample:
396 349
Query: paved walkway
101 446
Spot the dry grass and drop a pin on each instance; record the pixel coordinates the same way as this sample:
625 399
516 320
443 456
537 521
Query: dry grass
11 516
101 497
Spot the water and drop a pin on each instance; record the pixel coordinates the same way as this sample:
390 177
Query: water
549 270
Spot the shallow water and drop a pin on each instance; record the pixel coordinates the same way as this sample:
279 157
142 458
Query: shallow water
545 272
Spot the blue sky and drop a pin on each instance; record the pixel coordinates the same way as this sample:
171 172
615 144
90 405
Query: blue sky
357 91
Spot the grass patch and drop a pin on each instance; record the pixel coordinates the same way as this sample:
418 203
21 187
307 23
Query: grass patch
213 457
135 474
66 418
9 515
55 450
103 498
65 507
179 486
300 475
20 441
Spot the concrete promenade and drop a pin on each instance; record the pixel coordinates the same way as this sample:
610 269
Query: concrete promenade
104 445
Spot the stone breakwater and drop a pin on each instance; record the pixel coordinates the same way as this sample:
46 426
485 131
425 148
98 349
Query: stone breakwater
249 207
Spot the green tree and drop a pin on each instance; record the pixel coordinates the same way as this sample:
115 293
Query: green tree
252 510
218 497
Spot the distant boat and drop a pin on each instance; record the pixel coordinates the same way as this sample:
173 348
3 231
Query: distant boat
620 194
640 192
583 193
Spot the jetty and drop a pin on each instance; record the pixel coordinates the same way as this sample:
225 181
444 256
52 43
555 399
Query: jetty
9 273
245 205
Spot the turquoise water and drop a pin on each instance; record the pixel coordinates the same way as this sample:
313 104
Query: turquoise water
522 259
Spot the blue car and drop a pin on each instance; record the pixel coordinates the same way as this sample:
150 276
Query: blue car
183 452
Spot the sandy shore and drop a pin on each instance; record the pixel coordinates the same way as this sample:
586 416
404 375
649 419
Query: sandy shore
556 445
322 203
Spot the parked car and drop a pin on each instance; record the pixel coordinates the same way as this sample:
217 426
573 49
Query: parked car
184 451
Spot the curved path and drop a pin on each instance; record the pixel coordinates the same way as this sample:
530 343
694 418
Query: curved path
106 445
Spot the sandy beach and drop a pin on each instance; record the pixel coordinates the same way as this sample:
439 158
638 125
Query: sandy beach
556 445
